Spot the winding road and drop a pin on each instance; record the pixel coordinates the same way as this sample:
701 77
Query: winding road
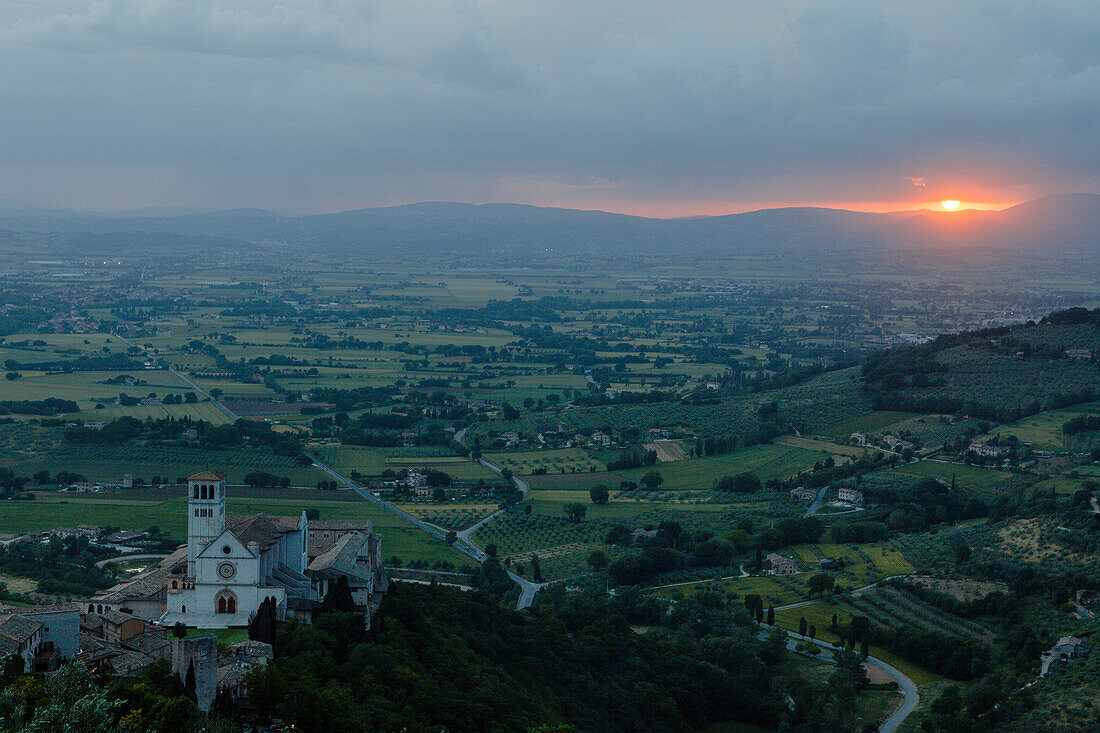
908 689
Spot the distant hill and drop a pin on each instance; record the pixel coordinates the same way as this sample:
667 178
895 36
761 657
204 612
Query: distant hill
1064 224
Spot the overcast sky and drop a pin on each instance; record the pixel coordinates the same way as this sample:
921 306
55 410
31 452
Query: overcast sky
663 108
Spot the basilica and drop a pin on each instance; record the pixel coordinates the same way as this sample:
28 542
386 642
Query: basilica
232 563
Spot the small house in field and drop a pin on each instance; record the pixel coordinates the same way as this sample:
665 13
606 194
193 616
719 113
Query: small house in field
803 494
1068 647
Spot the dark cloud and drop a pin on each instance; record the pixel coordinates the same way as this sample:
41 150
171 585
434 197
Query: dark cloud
306 106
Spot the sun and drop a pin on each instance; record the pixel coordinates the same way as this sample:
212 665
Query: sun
950 204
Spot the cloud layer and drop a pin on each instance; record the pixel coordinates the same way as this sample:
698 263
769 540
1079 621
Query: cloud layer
661 107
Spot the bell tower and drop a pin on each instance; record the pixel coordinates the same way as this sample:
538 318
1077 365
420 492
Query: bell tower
205 513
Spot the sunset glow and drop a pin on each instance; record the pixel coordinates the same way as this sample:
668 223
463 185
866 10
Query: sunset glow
950 204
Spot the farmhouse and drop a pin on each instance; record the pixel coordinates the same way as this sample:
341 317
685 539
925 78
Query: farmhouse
781 565
850 495
986 450
803 494
895 443
1068 647
601 438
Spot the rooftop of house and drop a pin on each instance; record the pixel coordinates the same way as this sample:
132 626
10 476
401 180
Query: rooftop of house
18 628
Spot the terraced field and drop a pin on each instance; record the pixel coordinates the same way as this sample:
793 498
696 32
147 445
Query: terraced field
892 607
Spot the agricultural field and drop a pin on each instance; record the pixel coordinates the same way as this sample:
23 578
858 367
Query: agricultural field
457 516
1044 431
669 450
863 564
696 474
566 460
170 463
839 451
984 481
1042 543
961 589
937 548
1003 380
130 510
821 614
890 607
931 431
373 461
866 424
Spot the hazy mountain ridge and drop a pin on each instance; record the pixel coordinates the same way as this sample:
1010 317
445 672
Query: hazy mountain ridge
1066 224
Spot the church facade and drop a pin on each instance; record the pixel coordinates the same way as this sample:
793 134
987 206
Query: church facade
234 563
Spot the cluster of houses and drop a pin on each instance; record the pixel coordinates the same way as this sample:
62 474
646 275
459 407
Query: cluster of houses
987 450
889 442
219 579
844 494
122 645
126 482
556 439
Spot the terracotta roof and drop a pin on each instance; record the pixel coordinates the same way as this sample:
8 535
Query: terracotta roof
206 476
58 608
350 556
263 529
149 584
18 628
231 675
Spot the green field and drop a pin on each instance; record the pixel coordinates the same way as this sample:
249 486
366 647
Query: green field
821 615
111 462
373 461
1044 431
696 474
554 461
865 424
59 510
983 480
864 564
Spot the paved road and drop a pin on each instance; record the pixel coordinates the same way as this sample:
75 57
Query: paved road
527 589
816 503
910 697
